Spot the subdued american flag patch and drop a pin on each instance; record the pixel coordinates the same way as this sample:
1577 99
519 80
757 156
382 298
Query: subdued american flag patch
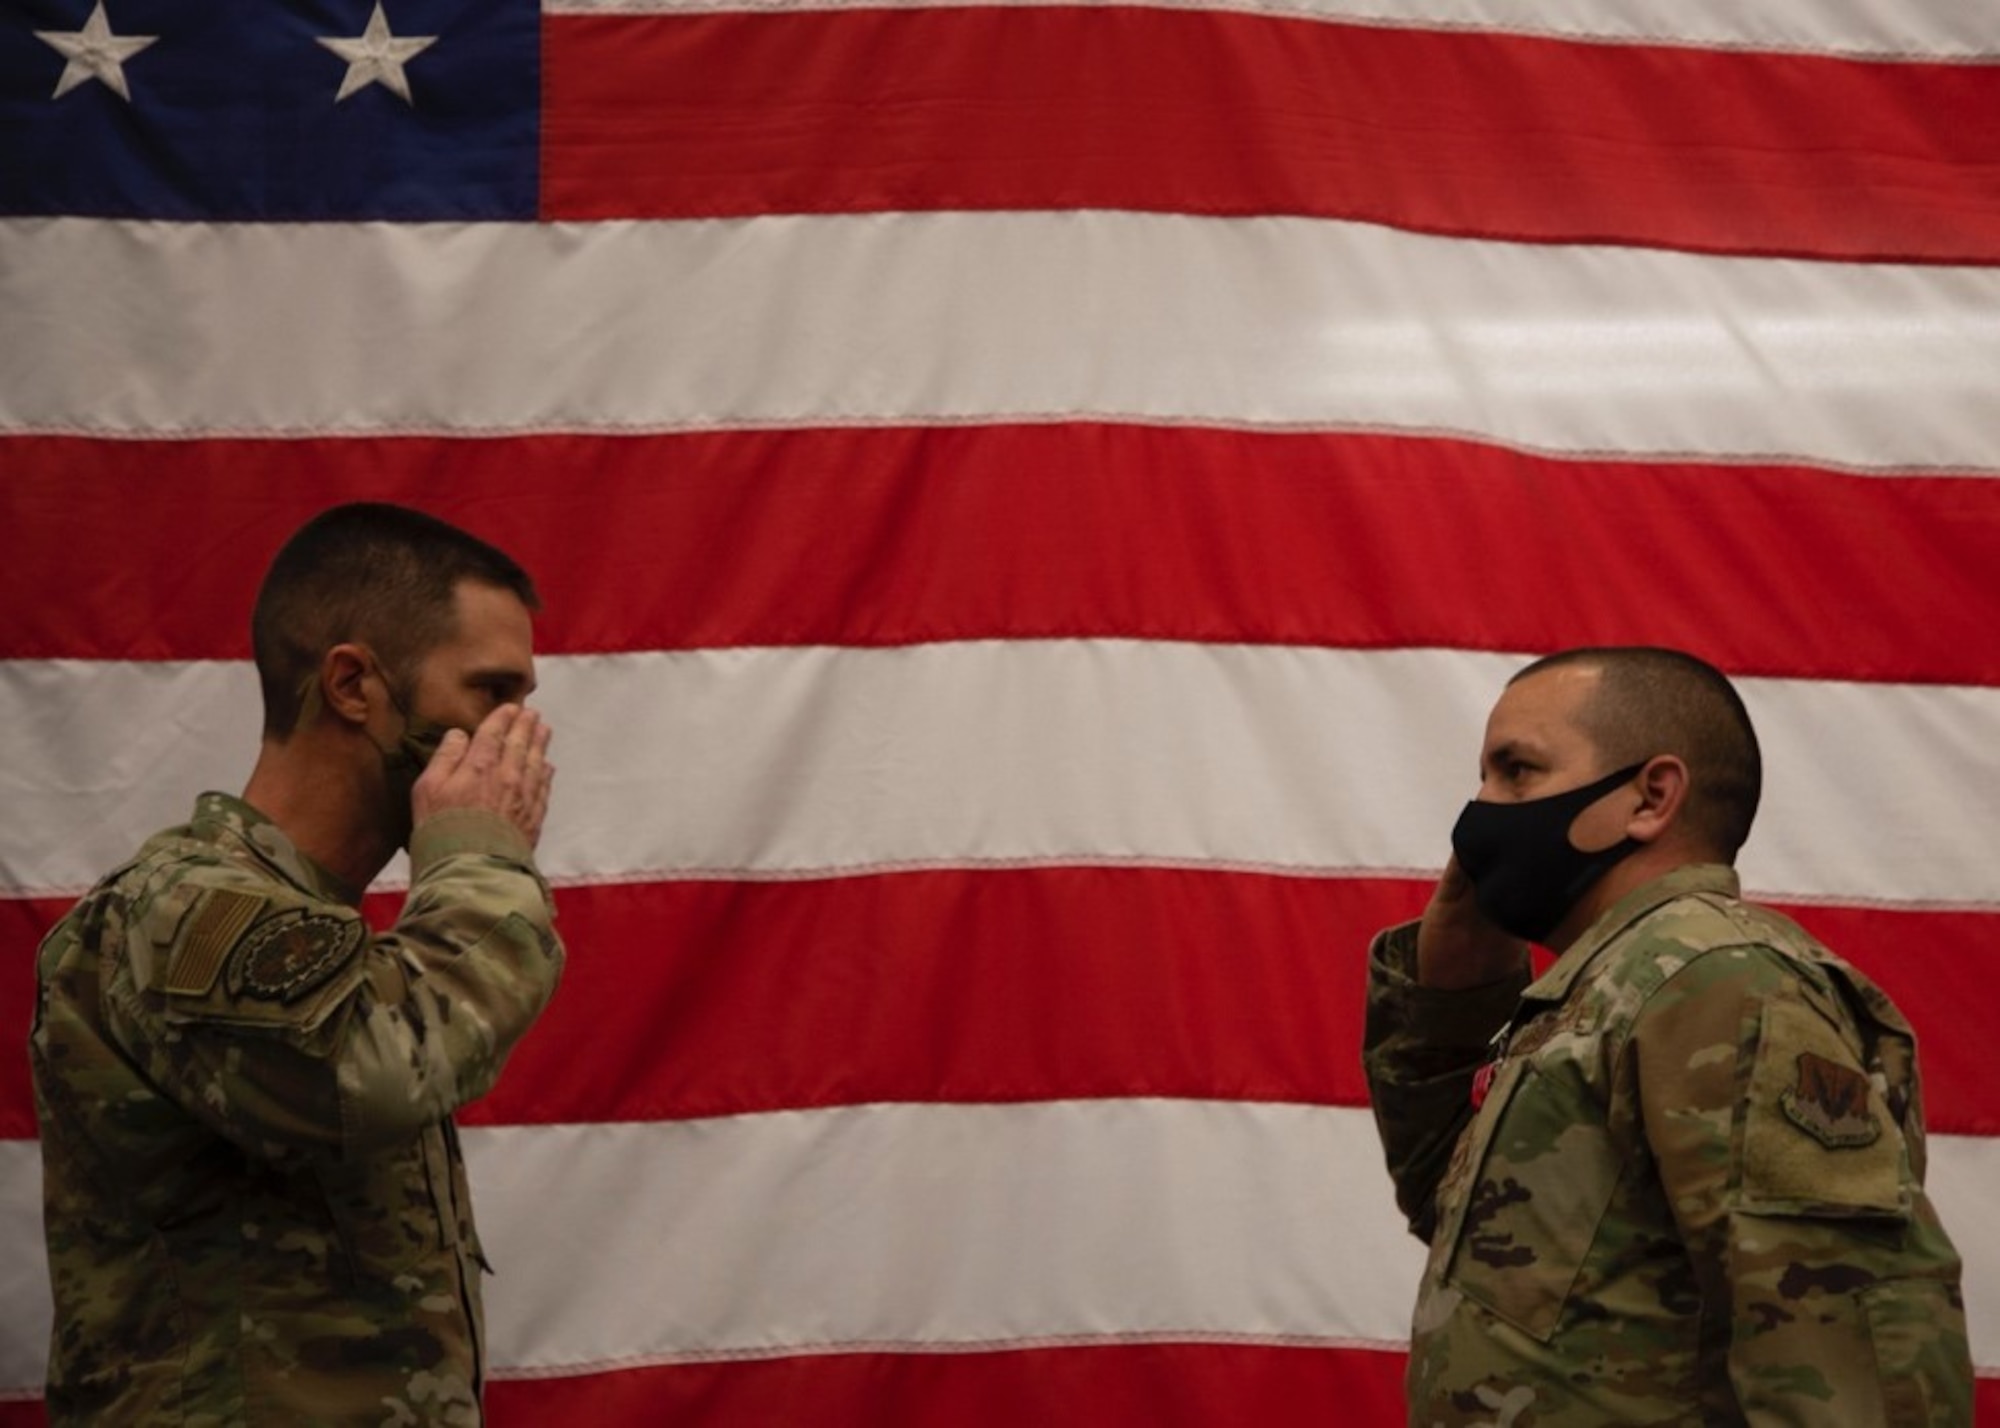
212 931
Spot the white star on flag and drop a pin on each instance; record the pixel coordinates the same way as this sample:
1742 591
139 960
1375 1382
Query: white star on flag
376 56
94 53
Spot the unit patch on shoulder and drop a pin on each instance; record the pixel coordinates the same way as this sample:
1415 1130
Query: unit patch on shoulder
288 955
1829 1102
218 918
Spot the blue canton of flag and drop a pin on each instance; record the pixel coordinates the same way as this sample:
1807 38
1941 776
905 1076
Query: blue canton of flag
253 109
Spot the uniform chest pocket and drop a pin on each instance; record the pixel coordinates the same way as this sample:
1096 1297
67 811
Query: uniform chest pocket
1537 1196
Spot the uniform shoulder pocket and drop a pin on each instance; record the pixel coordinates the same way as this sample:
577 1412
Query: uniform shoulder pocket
254 957
1818 1138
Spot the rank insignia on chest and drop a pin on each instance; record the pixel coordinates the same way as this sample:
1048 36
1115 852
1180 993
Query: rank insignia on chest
1829 1102
1482 1083
1482 1079
284 957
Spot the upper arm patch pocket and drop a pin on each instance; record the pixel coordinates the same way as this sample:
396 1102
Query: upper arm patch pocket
281 969
1817 1138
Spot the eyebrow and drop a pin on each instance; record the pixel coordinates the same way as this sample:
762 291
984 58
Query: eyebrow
501 674
1511 748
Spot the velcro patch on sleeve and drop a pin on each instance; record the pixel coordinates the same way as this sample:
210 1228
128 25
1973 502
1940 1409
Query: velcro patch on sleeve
288 955
1829 1102
218 921
1817 1138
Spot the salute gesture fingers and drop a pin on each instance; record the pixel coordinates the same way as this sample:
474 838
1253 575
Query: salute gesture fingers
1456 945
502 766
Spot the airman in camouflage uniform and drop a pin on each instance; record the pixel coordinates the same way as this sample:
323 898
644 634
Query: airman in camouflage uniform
255 1204
1677 1178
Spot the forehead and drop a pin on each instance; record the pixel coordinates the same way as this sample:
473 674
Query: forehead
1542 710
491 624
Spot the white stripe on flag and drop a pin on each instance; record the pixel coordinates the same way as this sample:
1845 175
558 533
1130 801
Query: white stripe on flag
877 1226
980 316
1888 29
874 1227
807 761
1963 1171
24 1270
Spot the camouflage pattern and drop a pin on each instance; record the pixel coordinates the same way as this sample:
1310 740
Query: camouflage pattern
1691 1192
255 1204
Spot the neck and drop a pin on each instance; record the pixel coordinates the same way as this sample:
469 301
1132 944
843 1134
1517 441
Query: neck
327 798
1649 862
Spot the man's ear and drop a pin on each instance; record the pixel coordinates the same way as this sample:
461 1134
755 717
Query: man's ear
1663 791
343 678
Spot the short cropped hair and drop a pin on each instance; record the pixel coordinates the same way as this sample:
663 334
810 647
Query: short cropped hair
380 575
1652 701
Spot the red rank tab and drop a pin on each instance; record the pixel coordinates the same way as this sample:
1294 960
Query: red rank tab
1482 1082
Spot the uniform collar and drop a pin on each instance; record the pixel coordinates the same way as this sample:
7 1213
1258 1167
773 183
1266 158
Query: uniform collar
224 817
1692 878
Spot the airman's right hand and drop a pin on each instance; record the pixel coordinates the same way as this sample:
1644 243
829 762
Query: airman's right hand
1456 945
503 766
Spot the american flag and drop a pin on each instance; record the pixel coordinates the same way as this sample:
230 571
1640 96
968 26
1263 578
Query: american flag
1034 502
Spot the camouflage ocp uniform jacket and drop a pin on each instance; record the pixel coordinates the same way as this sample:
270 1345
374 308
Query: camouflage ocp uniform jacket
255 1204
1676 1180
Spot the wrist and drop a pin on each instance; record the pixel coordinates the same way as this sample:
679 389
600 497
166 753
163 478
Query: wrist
451 831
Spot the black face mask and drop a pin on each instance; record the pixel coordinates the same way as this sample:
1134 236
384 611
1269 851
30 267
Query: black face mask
1526 874
404 761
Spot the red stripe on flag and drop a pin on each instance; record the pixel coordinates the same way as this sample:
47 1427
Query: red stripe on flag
1109 1384
1056 107
701 999
1360 1387
1113 1384
687 999
706 999
897 535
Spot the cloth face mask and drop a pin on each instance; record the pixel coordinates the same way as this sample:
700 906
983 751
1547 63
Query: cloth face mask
1526 874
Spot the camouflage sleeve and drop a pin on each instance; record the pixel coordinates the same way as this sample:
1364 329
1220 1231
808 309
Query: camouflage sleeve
1421 1047
281 1022
1818 1258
